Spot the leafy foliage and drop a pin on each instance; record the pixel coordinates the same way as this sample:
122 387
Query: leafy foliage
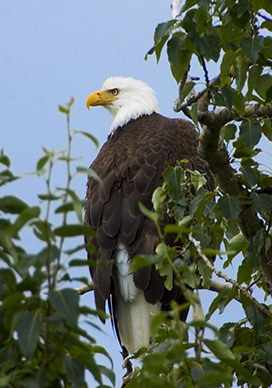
181 358
43 343
235 38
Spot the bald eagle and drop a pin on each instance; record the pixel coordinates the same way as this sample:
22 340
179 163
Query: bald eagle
141 144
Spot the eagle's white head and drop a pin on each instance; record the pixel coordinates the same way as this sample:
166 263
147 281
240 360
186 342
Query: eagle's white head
125 98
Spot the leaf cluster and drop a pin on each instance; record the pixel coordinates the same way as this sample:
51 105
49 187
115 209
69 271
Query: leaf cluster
47 337
184 353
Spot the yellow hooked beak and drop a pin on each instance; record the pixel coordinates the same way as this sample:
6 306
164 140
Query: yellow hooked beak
101 97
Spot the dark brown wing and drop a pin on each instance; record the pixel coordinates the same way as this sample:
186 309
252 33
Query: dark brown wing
130 165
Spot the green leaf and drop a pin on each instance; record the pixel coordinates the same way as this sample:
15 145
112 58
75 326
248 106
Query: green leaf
261 202
43 230
66 303
77 203
186 90
253 79
161 35
257 5
4 159
63 109
89 361
174 47
74 371
224 97
237 244
244 272
263 84
148 213
239 102
255 317
141 261
225 66
205 272
267 128
250 174
251 132
223 353
68 207
157 321
172 175
48 254
214 378
230 207
226 334
73 230
242 66
24 217
90 137
89 172
179 68
209 47
194 114
6 176
109 373
28 326
12 204
227 132
49 197
42 162
78 263
252 47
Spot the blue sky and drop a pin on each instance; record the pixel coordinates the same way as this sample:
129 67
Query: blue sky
53 50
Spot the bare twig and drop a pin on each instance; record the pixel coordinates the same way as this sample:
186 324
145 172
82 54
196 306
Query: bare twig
84 289
176 5
81 290
226 278
196 97
216 286
127 364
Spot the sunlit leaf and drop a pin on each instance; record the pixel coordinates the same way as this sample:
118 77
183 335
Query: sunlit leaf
236 244
154 216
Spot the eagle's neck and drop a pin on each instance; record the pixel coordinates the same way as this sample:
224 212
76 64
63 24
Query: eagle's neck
132 109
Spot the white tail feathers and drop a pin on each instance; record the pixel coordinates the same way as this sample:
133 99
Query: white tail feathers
134 320
134 314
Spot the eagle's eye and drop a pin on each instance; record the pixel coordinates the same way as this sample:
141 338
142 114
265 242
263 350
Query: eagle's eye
115 92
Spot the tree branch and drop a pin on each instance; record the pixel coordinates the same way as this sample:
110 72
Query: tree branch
216 286
84 289
176 5
218 273
218 161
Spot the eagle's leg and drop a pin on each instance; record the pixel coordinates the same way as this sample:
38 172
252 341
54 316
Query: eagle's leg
127 364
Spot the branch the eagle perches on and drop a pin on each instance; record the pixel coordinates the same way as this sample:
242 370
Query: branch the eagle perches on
218 158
